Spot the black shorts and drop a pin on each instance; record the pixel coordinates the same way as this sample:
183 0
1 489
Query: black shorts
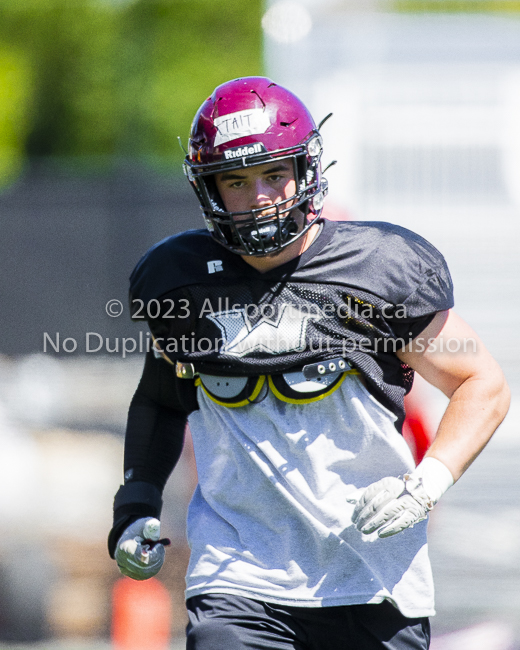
224 622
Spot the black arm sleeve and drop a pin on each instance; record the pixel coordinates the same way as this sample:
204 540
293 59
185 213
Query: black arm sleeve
153 443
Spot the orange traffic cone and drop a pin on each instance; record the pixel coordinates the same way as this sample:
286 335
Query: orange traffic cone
141 615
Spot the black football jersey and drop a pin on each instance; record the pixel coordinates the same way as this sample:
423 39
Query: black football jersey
361 291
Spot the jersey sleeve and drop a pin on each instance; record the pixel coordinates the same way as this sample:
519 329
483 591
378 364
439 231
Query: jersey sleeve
428 289
433 295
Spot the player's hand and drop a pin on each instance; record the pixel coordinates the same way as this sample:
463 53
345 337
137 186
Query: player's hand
140 553
392 504
389 506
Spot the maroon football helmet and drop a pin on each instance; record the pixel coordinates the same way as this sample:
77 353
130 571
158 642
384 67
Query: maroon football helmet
247 122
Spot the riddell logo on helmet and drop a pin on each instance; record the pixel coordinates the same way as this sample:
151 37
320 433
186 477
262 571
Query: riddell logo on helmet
248 150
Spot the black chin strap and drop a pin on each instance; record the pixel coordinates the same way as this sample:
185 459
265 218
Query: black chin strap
268 237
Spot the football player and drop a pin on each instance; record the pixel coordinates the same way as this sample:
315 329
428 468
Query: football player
288 343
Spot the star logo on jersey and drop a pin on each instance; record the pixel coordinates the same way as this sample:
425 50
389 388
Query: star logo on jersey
283 333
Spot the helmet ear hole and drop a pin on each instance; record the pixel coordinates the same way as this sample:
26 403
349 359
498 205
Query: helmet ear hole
301 164
302 168
214 194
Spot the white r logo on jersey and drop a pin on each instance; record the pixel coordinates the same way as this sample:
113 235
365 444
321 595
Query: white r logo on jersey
214 266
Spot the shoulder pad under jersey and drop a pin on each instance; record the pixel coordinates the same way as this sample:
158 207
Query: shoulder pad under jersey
388 261
188 258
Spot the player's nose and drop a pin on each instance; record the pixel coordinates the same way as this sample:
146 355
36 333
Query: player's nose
262 196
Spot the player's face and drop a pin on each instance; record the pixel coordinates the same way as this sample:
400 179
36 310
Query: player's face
257 187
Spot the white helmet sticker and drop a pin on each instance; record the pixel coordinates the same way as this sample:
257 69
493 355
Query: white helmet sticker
239 124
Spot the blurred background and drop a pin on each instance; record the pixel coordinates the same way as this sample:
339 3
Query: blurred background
93 96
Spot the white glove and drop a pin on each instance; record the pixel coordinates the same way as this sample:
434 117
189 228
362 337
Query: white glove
393 504
139 552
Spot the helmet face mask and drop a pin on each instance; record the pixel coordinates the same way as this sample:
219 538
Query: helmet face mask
247 123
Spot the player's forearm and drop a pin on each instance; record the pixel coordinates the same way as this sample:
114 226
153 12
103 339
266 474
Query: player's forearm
475 410
153 445
154 441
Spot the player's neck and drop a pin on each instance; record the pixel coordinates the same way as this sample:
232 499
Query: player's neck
264 264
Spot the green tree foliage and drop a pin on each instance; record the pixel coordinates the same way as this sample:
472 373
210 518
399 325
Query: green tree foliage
15 93
105 78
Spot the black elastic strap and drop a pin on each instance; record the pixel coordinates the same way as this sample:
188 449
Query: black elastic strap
138 492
